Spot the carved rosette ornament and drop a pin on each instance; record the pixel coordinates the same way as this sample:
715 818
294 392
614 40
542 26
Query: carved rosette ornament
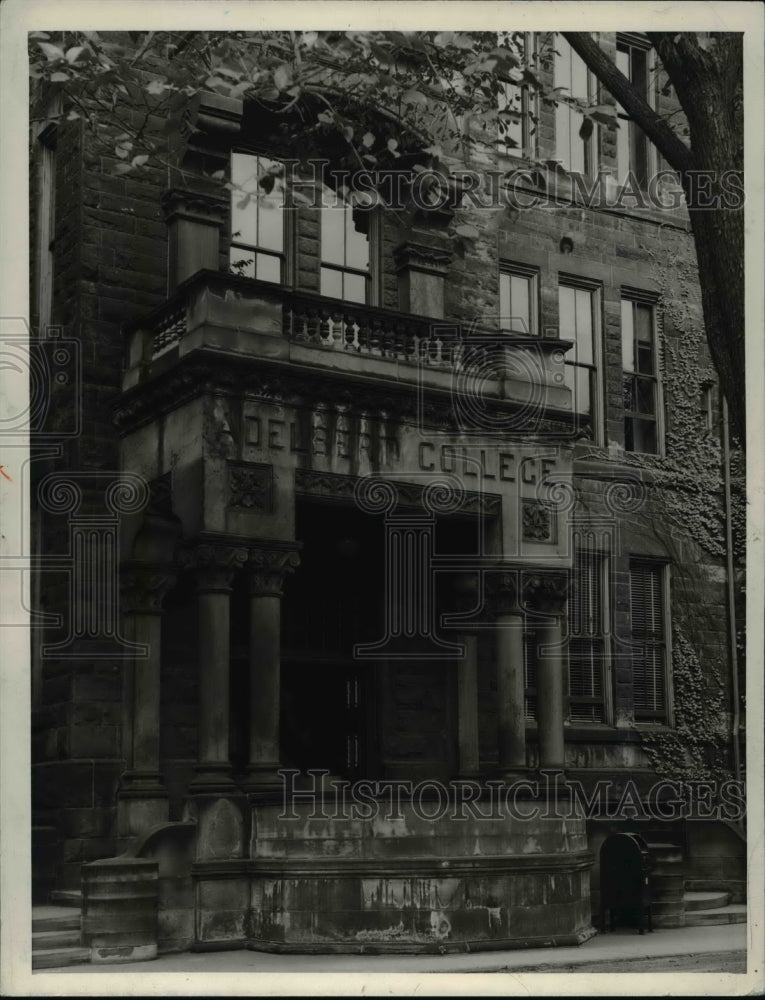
545 592
143 587
267 568
213 565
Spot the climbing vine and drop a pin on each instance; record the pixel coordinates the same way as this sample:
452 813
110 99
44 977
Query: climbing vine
695 750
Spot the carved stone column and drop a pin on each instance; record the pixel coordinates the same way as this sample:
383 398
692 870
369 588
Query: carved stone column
143 800
547 593
213 565
509 623
468 754
267 567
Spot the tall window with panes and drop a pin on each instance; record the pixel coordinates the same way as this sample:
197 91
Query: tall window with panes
575 147
633 151
587 646
515 108
518 295
345 258
578 320
257 218
649 640
641 389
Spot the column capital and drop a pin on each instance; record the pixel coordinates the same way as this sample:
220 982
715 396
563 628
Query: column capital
143 586
503 592
546 591
214 564
268 565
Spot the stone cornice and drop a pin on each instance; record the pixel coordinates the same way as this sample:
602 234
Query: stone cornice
208 372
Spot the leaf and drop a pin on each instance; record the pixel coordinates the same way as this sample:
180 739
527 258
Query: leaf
392 145
347 133
282 76
139 161
414 97
73 54
52 52
122 168
368 140
585 129
156 87
59 77
467 231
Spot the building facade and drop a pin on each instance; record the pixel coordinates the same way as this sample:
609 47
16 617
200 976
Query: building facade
396 565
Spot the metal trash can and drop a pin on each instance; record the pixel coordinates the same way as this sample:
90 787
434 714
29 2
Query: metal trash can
625 882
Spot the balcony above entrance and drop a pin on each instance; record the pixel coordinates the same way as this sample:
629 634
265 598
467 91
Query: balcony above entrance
229 315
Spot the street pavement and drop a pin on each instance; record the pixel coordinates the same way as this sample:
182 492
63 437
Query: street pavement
691 949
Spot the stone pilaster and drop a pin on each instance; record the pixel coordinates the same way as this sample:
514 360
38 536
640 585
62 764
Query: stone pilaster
509 624
468 756
267 567
547 594
213 565
194 223
422 269
142 797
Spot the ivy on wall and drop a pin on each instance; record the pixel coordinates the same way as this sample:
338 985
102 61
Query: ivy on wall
695 750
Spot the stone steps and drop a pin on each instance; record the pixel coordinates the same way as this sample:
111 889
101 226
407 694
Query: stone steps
695 900
733 913
56 937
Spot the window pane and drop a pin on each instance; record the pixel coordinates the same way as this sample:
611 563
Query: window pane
567 312
646 396
333 235
628 344
644 322
562 135
270 224
356 244
644 436
578 77
578 380
584 326
269 268
244 177
355 288
577 159
242 262
504 301
331 282
519 303
622 150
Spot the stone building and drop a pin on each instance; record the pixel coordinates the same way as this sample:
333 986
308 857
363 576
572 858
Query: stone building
341 504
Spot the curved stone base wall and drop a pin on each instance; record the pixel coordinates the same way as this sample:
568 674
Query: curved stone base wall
416 885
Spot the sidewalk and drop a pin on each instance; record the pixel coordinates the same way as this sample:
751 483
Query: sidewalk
603 948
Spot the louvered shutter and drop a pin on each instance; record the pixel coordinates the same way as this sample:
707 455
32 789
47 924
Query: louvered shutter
648 641
586 640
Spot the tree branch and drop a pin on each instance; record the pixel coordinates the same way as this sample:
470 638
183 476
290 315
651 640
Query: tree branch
674 151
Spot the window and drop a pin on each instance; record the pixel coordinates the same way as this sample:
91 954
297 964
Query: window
587 616
649 646
345 271
640 376
578 311
530 674
257 218
632 146
518 294
575 153
709 408
514 129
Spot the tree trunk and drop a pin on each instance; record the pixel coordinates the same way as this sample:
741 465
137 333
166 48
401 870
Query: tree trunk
708 83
